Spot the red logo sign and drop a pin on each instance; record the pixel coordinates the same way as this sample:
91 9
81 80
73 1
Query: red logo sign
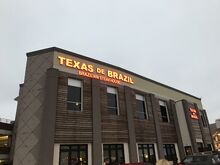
193 113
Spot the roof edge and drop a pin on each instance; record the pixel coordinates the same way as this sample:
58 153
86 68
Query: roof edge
42 51
51 49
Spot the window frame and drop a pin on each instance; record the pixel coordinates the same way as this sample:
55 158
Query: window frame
203 119
79 84
140 146
209 146
113 147
169 147
4 141
188 150
145 112
113 90
69 150
167 110
200 146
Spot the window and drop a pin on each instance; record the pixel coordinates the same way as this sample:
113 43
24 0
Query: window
200 146
188 150
209 146
203 122
204 119
74 95
164 111
74 154
170 152
112 100
146 153
4 141
4 161
113 154
140 107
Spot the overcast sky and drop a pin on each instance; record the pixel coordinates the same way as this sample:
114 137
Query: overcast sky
175 42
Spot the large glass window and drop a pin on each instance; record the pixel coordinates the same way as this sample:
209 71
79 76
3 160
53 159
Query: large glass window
76 154
188 150
4 141
164 111
4 162
140 107
112 100
74 95
209 147
146 153
170 152
113 154
200 146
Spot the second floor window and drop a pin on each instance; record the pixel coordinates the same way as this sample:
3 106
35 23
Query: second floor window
74 95
204 119
164 111
112 100
140 107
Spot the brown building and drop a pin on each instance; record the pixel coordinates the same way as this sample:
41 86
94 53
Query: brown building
76 110
215 131
6 128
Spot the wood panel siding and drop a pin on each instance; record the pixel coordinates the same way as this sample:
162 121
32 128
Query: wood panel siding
195 122
144 128
72 126
114 127
196 129
168 130
206 135
76 127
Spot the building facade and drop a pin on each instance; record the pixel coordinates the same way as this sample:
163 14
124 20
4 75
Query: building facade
215 131
6 131
76 110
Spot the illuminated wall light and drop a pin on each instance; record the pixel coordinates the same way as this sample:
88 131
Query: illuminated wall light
3 137
146 156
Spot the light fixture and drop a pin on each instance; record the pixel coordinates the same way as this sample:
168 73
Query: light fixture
146 156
